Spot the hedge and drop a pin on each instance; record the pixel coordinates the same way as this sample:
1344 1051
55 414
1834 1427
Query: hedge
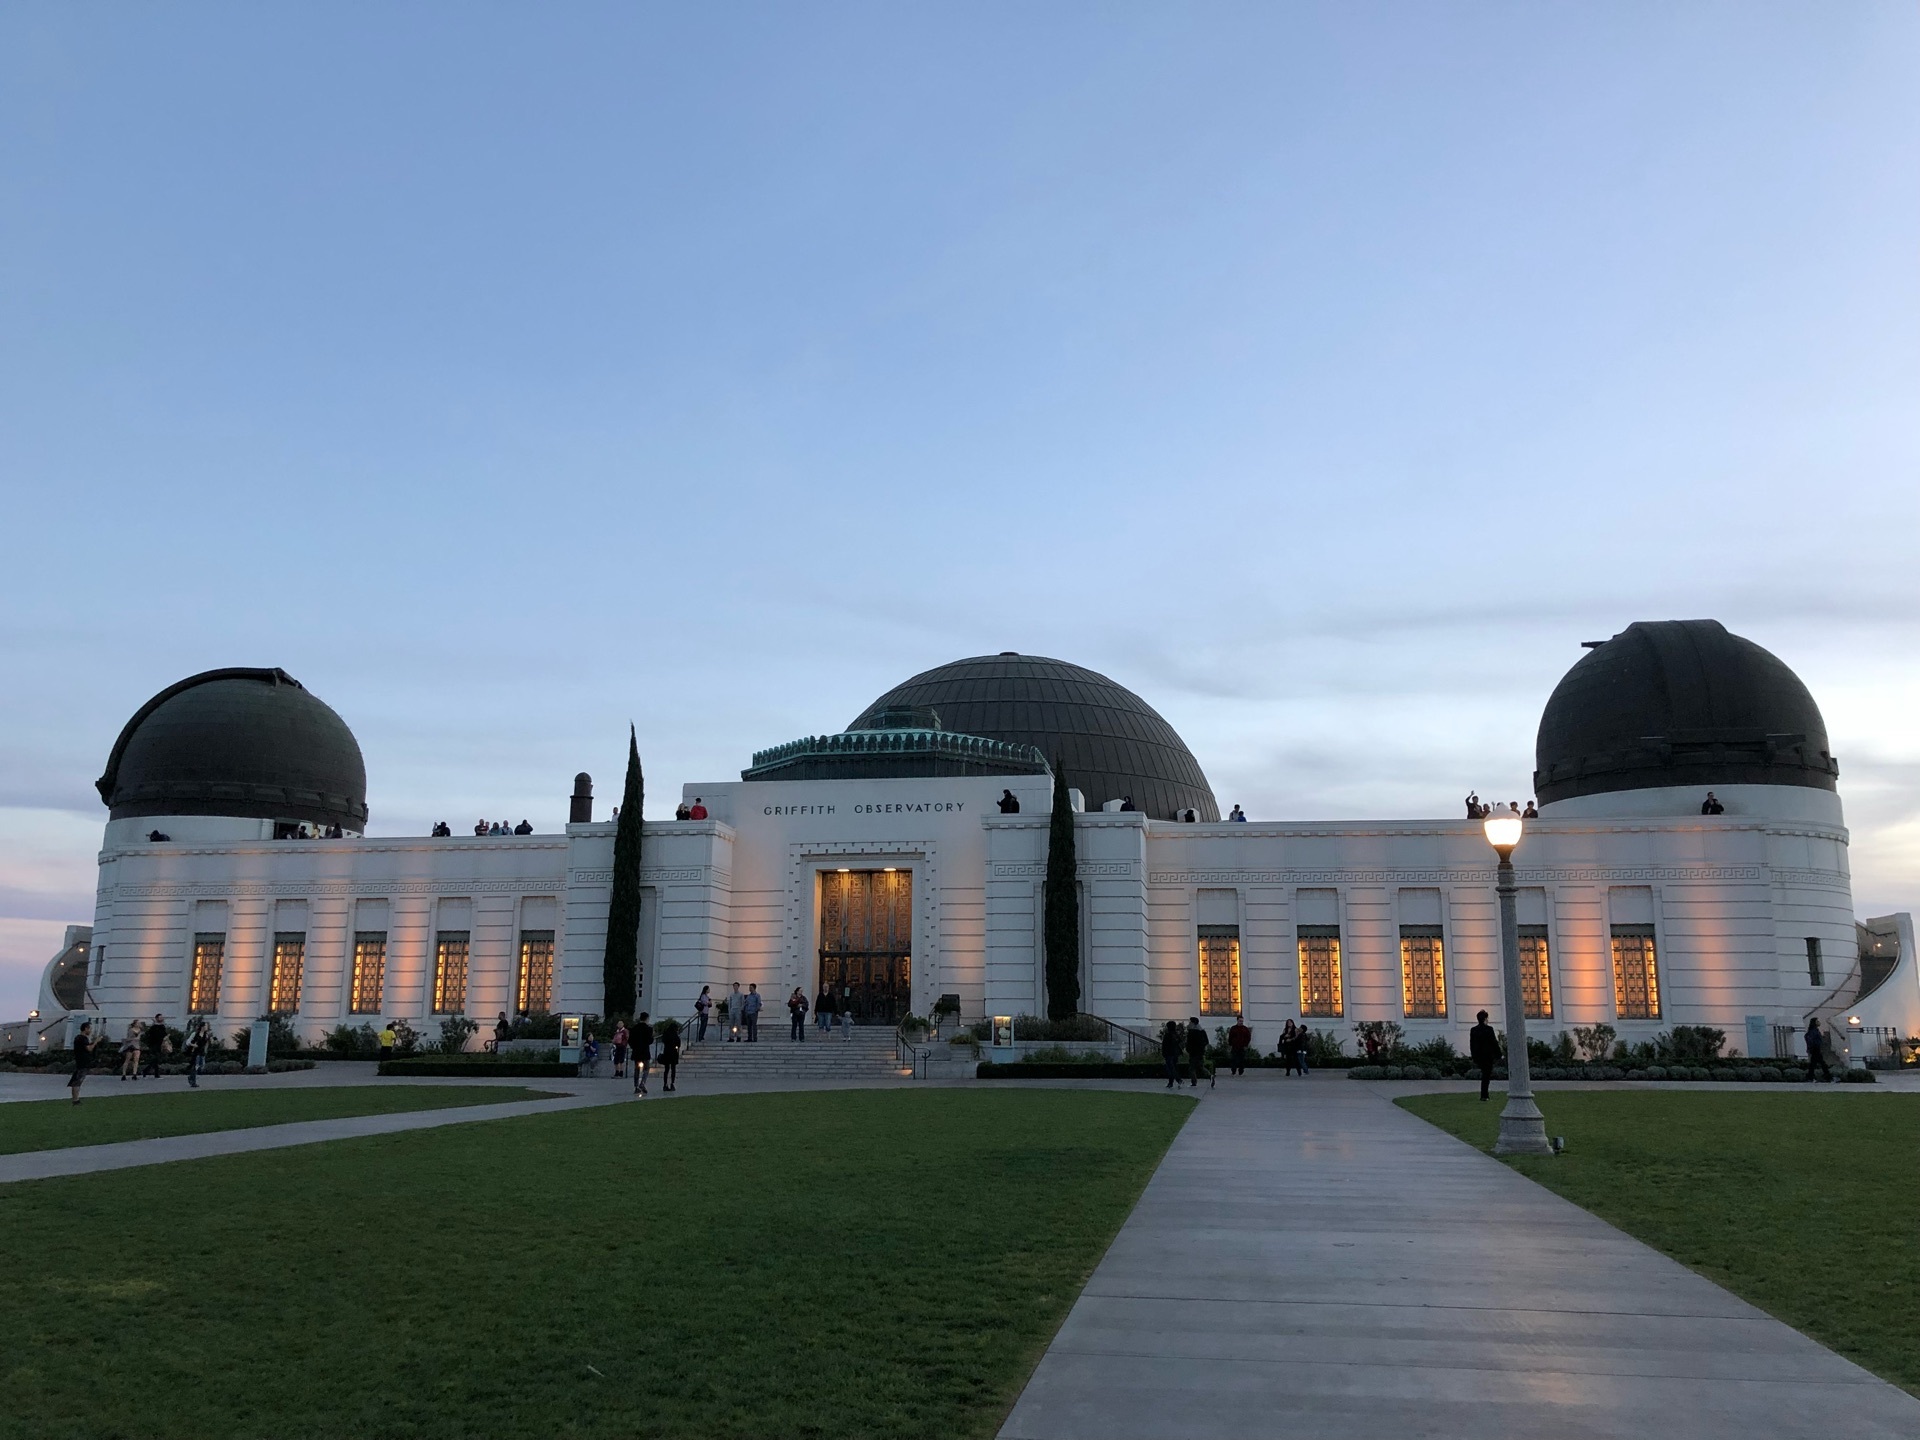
517 1069
1761 1073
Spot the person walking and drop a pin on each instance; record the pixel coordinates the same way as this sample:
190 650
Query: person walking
641 1037
502 1032
153 1045
823 1009
1286 1049
1817 1051
846 1014
734 1002
797 1015
199 1036
622 1037
1483 1047
750 1012
700 1009
1170 1051
1238 1039
669 1056
130 1052
1196 1050
1300 1039
82 1058
386 1041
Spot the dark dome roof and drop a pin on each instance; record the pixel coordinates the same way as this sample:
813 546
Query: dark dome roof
1108 741
249 743
1679 702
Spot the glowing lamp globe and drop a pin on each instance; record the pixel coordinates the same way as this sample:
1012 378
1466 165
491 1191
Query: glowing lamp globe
1503 831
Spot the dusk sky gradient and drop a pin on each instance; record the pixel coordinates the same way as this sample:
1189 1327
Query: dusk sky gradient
1325 373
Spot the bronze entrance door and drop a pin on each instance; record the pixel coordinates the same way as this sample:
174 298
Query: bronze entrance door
866 942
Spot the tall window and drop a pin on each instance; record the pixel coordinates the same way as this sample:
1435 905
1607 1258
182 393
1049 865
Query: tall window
1536 980
203 987
1219 969
1423 973
450 973
535 993
1636 973
1320 970
369 972
1816 969
289 960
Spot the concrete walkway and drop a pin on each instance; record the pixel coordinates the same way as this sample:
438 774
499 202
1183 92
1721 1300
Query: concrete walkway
1312 1261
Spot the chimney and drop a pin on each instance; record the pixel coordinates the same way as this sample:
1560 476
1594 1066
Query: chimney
580 810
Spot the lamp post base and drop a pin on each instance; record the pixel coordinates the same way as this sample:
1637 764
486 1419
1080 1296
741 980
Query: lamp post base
1523 1129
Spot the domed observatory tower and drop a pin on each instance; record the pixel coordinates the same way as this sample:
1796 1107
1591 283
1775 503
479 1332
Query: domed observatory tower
1669 710
230 756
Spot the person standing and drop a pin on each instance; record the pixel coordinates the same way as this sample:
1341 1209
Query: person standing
1196 1049
1170 1051
1817 1051
823 1009
700 1009
846 1014
1238 1039
502 1032
797 1015
1300 1041
622 1037
642 1038
82 1058
386 1041
669 1056
735 1009
1286 1049
153 1045
1483 1047
199 1036
130 1052
750 1012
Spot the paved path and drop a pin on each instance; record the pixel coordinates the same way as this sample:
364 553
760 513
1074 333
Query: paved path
1312 1261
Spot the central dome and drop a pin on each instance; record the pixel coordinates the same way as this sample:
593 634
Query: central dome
1109 742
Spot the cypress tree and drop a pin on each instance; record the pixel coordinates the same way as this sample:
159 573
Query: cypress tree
621 969
1062 902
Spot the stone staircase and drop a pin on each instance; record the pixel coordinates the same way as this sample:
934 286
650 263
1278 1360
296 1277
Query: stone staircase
867 1055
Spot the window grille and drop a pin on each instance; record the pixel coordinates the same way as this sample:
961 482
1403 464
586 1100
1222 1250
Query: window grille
203 988
1816 969
1423 972
1536 977
289 961
369 972
1636 973
535 993
1320 970
1219 969
450 972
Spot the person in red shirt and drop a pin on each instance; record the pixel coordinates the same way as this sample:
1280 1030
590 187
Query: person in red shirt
699 811
1238 1039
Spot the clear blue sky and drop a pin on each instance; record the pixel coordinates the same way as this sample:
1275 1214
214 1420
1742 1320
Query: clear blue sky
1325 373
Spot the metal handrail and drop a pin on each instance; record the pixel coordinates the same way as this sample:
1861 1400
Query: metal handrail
1136 1043
907 1054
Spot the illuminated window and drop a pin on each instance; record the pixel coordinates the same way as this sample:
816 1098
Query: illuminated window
1636 973
369 972
450 972
535 994
1219 969
289 960
1320 970
1816 969
203 987
1423 973
1536 983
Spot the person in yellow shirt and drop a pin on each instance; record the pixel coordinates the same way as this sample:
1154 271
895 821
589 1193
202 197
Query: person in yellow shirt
386 1041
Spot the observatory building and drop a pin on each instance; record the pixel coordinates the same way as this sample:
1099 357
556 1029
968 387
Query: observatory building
901 860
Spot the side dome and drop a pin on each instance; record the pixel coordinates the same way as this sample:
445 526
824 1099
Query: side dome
1109 742
246 743
1679 702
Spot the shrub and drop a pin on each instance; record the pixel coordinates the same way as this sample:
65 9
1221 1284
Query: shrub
1695 1042
1322 1046
1391 1072
1365 1072
539 1025
455 1031
282 1039
1610 1072
1768 1072
1061 1055
946 1005
1072 1027
1723 1072
1857 1077
1385 1034
1654 1072
1595 1042
1438 1051
351 1042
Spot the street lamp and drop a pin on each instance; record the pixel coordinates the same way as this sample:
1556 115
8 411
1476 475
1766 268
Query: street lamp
1523 1130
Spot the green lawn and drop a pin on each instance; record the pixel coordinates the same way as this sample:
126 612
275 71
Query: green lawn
104 1119
850 1263
1805 1205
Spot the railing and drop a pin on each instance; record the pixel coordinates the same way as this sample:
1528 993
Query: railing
908 1055
1137 1043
